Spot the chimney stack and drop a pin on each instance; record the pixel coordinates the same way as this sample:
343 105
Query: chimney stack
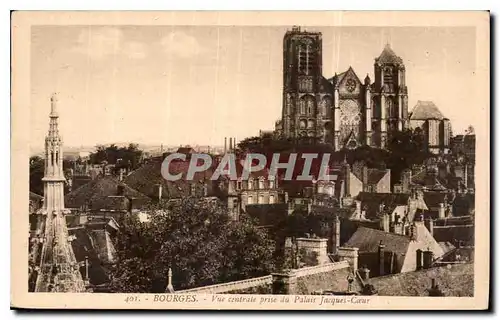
441 211
419 260
381 256
428 258
225 145
365 176
335 235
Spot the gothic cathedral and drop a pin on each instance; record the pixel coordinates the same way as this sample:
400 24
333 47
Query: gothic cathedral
343 110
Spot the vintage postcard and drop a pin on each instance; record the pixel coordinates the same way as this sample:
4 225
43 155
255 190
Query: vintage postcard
250 160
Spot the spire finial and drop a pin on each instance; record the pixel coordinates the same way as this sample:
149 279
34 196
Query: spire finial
53 102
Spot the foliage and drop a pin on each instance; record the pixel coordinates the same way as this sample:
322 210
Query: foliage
404 149
37 167
123 157
197 240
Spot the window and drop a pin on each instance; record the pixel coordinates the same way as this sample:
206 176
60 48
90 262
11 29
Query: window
250 200
271 199
302 105
303 124
250 184
271 184
310 124
261 183
238 185
261 199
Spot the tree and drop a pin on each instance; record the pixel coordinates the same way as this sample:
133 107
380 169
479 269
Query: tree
195 238
37 168
122 157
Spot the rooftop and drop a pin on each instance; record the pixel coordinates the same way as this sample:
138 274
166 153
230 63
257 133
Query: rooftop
425 110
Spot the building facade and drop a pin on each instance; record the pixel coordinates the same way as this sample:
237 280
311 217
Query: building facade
435 127
343 110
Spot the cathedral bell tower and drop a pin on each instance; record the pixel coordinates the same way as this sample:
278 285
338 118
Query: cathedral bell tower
54 177
390 95
302 80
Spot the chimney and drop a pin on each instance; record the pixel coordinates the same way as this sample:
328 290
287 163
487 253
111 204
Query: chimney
365 176
225 145
234 143
358 208
335 235
230 144
317 245
419 260
428 258
364 273
429 224
441 211
381 260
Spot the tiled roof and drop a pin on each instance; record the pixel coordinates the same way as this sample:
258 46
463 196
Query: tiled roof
103 193
388 56
335 281
371 201
368 240
147 178
463 204
428 180
446 246
454 234
425 110
454 280
433 199
374 175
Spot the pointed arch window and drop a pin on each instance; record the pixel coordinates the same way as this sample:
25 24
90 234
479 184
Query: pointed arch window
302 106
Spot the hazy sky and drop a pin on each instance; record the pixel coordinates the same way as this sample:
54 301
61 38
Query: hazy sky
196 85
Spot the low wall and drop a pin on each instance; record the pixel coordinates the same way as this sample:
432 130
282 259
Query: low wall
232 286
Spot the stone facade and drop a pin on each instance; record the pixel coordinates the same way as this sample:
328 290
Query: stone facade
343 110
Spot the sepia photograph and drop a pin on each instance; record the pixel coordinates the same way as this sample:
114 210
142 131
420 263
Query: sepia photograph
246 160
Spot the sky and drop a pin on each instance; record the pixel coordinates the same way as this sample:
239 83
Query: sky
195 85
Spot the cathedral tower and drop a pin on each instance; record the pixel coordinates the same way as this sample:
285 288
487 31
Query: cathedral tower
306 98
390 96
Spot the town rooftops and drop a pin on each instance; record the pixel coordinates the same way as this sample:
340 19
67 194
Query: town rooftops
106 193
453 280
